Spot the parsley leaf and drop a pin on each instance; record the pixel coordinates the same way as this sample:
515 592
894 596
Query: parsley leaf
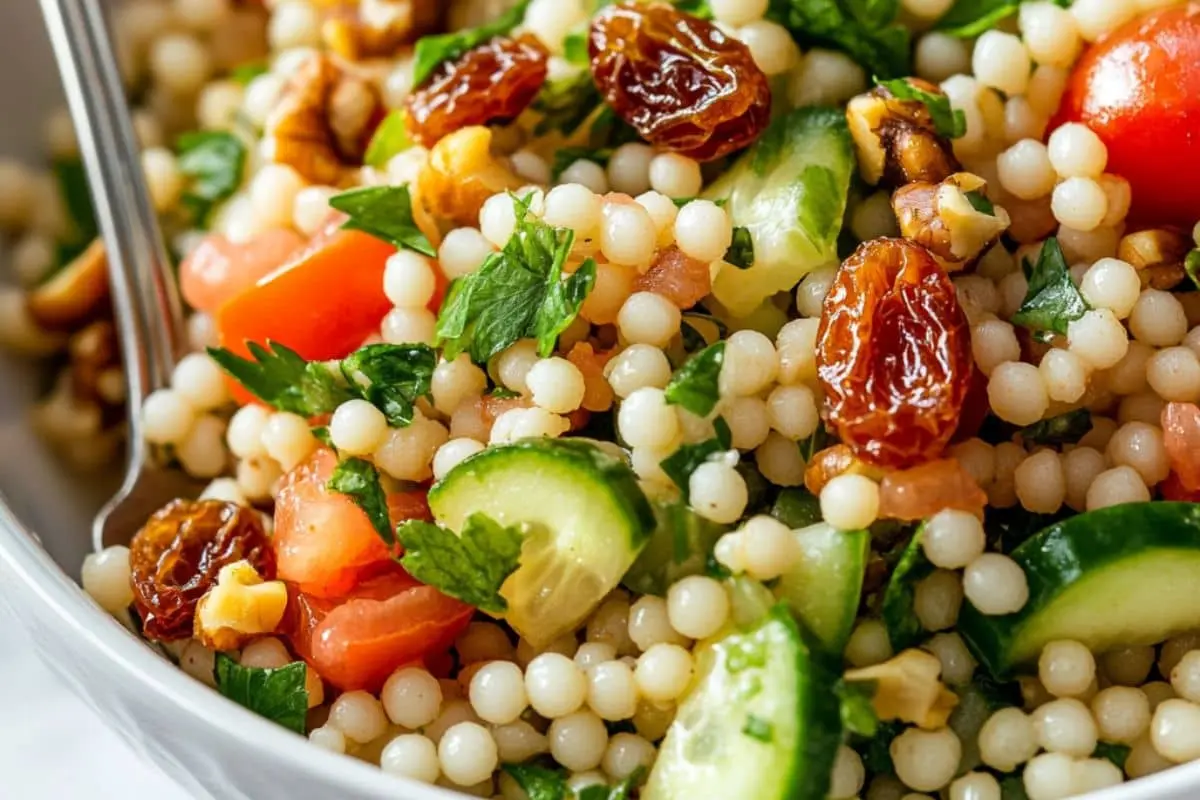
620 791
694 385
385 212
1066 428
680 465
566 156
857 710
741 253
71 177
759 728
967 19
358 479
213 162
389 139
1116 753
516 293
947 121
1052 301
242 74
277 694
980 203
391 377
280 377
877 756
540 783
866 30
470 566
565 103
431 51
575 48
609 130
1191 265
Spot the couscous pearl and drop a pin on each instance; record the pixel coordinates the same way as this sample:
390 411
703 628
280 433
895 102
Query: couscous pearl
958 665
167 417
628 169
1094 774
975 786
938 56
310 209
287 438
1120 197
1066 668
590 654
780 461
1064 374
649 318
1128 666
749 422
1079 203
467 754
497 692
357 427
1098 337
792 411
848 775
32 259
702 230
1122 714
645 419
768 548
1017 393
226 490
359 716
771 46
825 77
530 166
810 294
328 738
868 644
578 740
750 364
1158 319
1097 17
571 205
199 381
926 760
927 9
202 452
1174 373
513 364
937 600
409 280
483 641
407 453
795 345
180 63
556 385
163 178
497 219
663 672
1140 445
612 692
952 539
1128 376
850 502
995 584
625 754
663 211
1175 730
244 436
453 453
554 685
518 741
994 342
1006 739
1050 33
1142 407
462 252
586 173
636 367
411 755
453 712
627 234
1065 726
872 218
1077 152
273 194
1144 760
738 12
718 492
1185 676
610 623
698 606
1113 284
1022 120
1001 61
105 577
1040 482
1050 776
649 624
456 381
1025 170
1116 486
1173 651
411 697
675 175
409 326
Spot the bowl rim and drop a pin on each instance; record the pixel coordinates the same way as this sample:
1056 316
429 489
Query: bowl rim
178 692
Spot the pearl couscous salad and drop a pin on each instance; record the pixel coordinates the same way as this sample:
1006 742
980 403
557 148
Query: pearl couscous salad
714 399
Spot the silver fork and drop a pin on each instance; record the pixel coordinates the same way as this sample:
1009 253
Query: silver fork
148 311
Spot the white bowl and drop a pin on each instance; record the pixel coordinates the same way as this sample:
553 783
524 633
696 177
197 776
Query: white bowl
211 746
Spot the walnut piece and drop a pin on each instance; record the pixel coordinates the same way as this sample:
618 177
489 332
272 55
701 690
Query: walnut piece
461 173
942 218
240 605
76 294
896 140
1157 254
908 689
364 29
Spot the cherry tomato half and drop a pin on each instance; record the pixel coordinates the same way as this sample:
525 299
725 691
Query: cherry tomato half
218 270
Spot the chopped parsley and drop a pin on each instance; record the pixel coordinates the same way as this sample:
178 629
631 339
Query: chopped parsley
431 51
358 479
212 162
389 139
866 30
695 385
565 103
575 48
519 292
544 782
277 694
947 121
242 74
1191 265
471 565
967 19
1116 753
1053 301
857 711
759 729
741 252
680 465
384 212
391 377
980 203
1066 428
566 156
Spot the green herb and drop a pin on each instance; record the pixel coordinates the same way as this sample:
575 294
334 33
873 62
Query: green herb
680 202
1116 753
322 435
715 569
72 181
609 130
622 790
213 162
967 19
1066 428
900 595
431 51
1012 787
693 330
857 711
538 782
759 728
1052 301
566 102
391 377
741 253
566 156
797 508
470 566
680 465
980 203
575 48
697 8
866 30
242 74
358 479
385 212
1191 264
389 139
814 444
503 394
947 121
517 293
277 694
876 756
695 385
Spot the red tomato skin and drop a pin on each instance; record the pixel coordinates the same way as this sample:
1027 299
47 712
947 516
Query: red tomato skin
1139 90
219 270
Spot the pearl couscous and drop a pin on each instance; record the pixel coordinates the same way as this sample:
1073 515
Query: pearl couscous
774 411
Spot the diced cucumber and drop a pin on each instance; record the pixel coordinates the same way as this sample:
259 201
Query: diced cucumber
680 546
586 520
789 190
1117 576
903 627
761 720
824 588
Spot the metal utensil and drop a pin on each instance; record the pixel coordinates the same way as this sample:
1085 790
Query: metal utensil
148 311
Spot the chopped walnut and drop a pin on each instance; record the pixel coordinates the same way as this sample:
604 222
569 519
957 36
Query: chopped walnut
239 606
323 122
907 688
1157 254
896 140
461 174
363 29
952 219
76 294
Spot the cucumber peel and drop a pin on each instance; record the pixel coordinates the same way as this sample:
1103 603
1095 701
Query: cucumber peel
823 589
899 617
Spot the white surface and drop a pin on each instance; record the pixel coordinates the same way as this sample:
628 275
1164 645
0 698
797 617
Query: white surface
53 746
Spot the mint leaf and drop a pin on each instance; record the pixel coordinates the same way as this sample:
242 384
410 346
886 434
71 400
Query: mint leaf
866 30
695 385
385 212
759 729
565 103
389 139
967 19
391 377
1052 301
566 156
431 51
947 121
680 465
213 162
741 252
517 293
1066 428
539 783
277 694
358 479
281 378
857 711
470 566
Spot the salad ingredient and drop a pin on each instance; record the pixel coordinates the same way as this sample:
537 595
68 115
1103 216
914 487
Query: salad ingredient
1076 566
470 565
213 162
871 35
823 588
278 694
893 354
906 688
460 175
680 545
176 557
680 81
218 269
238 606
904 628
920 492
1181 438
761 710
897 139
385 212
432 51
675 275
75 293
491 83
580 538
1138 90
789 192
954 219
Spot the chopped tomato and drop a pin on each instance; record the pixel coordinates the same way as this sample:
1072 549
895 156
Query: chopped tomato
323 541
1181 437
1139 90
218 270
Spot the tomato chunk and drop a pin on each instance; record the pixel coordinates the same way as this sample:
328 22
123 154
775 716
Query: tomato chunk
1139 90
219 270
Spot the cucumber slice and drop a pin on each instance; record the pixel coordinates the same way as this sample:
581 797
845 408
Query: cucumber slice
586 520
1117 576
761 720
680 546
824 588
903 627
